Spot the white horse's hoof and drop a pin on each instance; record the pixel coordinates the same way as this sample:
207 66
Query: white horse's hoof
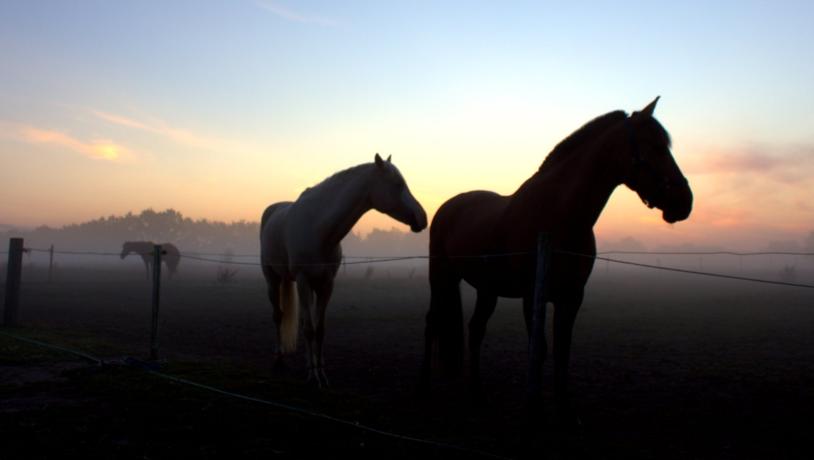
323 379
317 378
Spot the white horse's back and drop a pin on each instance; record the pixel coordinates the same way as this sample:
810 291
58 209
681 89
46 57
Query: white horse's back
273 251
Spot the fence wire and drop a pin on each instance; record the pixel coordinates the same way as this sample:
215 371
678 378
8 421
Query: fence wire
225 259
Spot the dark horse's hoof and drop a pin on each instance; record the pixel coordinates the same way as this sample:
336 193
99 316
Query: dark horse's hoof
535 411
422 390
478 397
566 418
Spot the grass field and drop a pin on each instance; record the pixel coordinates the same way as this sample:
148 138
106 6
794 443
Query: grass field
663 366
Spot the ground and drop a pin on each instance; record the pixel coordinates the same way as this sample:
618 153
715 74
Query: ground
663 366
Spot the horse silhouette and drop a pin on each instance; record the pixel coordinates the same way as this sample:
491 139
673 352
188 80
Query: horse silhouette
563 199
171 255
300 242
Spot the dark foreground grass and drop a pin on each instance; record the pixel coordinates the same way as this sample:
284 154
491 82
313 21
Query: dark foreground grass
663 366
55 405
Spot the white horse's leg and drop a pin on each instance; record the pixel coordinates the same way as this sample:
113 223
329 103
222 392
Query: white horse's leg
273 283
323 297
306 298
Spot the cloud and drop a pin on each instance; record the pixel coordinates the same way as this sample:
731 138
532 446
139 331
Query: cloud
294 16
786 164
97 149
179 136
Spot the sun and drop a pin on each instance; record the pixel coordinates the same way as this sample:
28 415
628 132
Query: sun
107 151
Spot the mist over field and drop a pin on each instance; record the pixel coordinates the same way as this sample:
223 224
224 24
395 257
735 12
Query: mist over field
239 242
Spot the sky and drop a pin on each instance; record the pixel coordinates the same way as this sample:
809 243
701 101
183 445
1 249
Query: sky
219 108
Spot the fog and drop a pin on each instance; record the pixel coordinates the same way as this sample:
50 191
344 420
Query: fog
237 245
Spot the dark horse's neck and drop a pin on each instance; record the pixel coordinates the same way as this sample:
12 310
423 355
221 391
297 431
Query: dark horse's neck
570 194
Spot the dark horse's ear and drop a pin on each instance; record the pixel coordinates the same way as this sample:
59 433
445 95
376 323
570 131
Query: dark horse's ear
648 111
379 161
388 158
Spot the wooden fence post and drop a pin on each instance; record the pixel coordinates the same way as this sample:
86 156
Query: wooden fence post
537 345
156 295
51 264
13 277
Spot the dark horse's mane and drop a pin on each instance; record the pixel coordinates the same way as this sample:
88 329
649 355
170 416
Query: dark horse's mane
588 131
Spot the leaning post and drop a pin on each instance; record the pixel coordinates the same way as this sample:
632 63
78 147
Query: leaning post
156 295
537 345
13 277
51 264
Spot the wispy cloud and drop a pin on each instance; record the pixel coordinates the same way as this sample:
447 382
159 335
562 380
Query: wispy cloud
97 149
179 136
294 16
787 164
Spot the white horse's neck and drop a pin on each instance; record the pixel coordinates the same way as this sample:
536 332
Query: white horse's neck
344 198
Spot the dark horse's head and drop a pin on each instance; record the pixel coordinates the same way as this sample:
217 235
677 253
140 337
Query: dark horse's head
653 172
127 248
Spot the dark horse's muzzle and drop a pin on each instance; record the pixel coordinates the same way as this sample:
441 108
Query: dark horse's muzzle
677 201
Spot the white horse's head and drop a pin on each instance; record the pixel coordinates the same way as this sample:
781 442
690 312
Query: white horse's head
389 194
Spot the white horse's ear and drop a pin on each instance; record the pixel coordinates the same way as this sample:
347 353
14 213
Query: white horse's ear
379 161
648 111
388 158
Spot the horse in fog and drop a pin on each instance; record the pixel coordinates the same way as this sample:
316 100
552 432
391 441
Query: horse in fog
300 243
563 199
171 256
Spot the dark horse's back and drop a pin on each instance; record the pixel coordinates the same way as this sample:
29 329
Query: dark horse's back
468 242
451 230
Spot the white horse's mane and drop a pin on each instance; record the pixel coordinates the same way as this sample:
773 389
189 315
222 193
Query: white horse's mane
333 181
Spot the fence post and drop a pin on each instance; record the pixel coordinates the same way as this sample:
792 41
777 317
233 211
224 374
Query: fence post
537 345
13 276
156 295
51 264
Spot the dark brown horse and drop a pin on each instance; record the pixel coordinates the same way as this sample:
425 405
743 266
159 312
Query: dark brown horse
563 199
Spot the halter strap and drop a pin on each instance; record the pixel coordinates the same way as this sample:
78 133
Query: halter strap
634 147
639 162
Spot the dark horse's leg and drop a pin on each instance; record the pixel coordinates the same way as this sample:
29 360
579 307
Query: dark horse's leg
484 307
273 283
565 312
528 311
444 322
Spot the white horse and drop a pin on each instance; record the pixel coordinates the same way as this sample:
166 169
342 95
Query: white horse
171 255
300 242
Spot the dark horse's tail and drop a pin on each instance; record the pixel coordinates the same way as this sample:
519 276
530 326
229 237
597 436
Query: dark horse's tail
445 318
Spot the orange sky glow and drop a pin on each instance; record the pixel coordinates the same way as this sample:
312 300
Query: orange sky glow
103 111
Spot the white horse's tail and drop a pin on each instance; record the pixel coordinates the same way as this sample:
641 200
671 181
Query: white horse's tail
289 329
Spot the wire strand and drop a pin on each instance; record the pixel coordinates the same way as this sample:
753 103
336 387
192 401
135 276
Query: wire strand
692 272
358 260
